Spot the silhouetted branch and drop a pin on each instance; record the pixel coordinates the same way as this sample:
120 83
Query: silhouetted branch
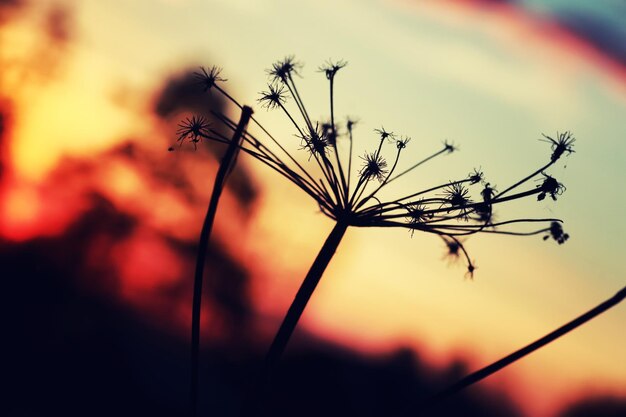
507 360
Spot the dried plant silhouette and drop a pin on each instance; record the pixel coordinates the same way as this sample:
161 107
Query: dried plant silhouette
192 130
490 369
350 191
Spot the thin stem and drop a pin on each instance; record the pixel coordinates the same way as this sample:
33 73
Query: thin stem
380 147
493 202
228 96
226 165
344 184
302 297
334 181
423 161
296 96
302 135
329 172
392 205
324 161
349 161
236 103
509 359
382 184
520 182
356 193
267 155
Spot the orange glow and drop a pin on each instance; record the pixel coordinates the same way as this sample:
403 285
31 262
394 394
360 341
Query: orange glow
145 265
123 181
28 211
21 207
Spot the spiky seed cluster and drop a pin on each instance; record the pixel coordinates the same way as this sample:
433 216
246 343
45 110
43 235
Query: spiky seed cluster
563 143
316 142
476 176
456 195
453 249
350 195
208 77
550 186
384 134
282 71
193 129
457 198
274 97
374 166
417 214
330 68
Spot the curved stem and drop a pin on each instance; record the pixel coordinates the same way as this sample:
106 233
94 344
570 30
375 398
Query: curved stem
423 161
509 359
226 166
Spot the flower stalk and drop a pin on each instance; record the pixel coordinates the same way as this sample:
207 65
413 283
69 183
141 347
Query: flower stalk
225 168
302 297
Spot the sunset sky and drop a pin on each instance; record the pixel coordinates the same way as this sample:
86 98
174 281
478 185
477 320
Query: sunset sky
491 76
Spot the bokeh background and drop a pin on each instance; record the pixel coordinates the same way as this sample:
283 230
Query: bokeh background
98 222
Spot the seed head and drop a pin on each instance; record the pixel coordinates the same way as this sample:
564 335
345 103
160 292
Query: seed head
563 143
207 77
274 97
402 142
444 209
556 232
488 193
316 142
350 124
456 195
484 210
282 70
453 249
193 129
384 134
471 267
417 214
550 186
330 68
374 166
450 147
476 176
330 132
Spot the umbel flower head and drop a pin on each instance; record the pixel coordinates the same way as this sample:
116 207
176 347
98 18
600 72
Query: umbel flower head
348 189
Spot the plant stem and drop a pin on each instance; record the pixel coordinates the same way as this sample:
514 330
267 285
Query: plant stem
226 166
509 359
302 297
